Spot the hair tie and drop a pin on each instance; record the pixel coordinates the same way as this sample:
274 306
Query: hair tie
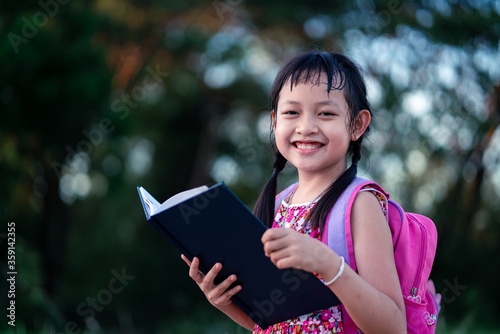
355 164
274 174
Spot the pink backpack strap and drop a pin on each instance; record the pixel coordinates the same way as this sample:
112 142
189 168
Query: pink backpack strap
338 236
347 218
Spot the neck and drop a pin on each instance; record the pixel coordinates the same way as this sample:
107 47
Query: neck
310 186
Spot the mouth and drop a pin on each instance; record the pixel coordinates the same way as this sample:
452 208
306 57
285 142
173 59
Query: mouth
310 146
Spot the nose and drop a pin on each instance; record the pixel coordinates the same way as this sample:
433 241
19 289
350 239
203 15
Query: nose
306 125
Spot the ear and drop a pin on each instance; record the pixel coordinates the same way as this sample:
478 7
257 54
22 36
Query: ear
273 117
360 124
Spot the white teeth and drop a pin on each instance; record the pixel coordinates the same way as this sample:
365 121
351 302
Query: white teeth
307 146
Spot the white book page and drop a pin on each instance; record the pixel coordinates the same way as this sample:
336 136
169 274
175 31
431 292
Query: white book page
150 203
181 197
153 206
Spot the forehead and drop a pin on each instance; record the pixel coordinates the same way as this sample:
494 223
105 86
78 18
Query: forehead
334 79
313 87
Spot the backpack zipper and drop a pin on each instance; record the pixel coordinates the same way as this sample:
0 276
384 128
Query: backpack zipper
423 250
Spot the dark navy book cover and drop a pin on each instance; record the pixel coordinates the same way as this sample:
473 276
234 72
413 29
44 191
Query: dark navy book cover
215 226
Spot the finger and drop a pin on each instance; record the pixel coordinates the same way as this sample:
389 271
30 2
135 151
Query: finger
275 245
212 273
286 262
274 233
226 296
233 291
194 272
297 261
279 256
183 257
220 289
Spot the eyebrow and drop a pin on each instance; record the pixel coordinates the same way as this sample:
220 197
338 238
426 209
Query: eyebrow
320 103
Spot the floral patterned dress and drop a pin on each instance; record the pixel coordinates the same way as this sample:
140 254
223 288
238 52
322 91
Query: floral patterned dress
320 322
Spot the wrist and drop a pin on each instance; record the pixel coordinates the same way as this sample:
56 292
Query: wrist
339 273
237 315
333 269
227 307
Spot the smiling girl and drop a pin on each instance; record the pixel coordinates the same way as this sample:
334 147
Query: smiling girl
320 116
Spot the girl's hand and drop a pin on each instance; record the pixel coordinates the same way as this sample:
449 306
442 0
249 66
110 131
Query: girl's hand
218 295
288 248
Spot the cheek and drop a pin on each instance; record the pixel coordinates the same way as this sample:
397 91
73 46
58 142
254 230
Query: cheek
281 137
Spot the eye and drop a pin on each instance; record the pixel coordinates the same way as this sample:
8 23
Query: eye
327 113
290 112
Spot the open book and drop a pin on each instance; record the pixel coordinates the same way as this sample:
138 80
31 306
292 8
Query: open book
152 206
215 226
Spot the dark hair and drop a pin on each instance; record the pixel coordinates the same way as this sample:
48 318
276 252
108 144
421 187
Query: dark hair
343 75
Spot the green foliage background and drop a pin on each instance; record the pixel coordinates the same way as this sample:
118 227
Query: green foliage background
99 97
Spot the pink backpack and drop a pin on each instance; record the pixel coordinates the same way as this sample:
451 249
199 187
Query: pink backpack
414 239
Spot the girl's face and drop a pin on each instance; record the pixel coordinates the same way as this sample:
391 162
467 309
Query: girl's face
312 129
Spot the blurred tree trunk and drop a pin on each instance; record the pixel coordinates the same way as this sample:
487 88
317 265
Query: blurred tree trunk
464 198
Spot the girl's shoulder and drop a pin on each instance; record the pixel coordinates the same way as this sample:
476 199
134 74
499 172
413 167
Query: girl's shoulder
381 196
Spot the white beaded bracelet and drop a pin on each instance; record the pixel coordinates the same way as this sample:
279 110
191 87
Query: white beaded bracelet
341 270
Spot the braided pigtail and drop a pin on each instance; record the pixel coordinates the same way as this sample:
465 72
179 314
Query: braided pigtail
319 213
264 208
356 150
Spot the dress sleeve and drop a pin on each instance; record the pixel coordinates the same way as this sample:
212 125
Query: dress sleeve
381 198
